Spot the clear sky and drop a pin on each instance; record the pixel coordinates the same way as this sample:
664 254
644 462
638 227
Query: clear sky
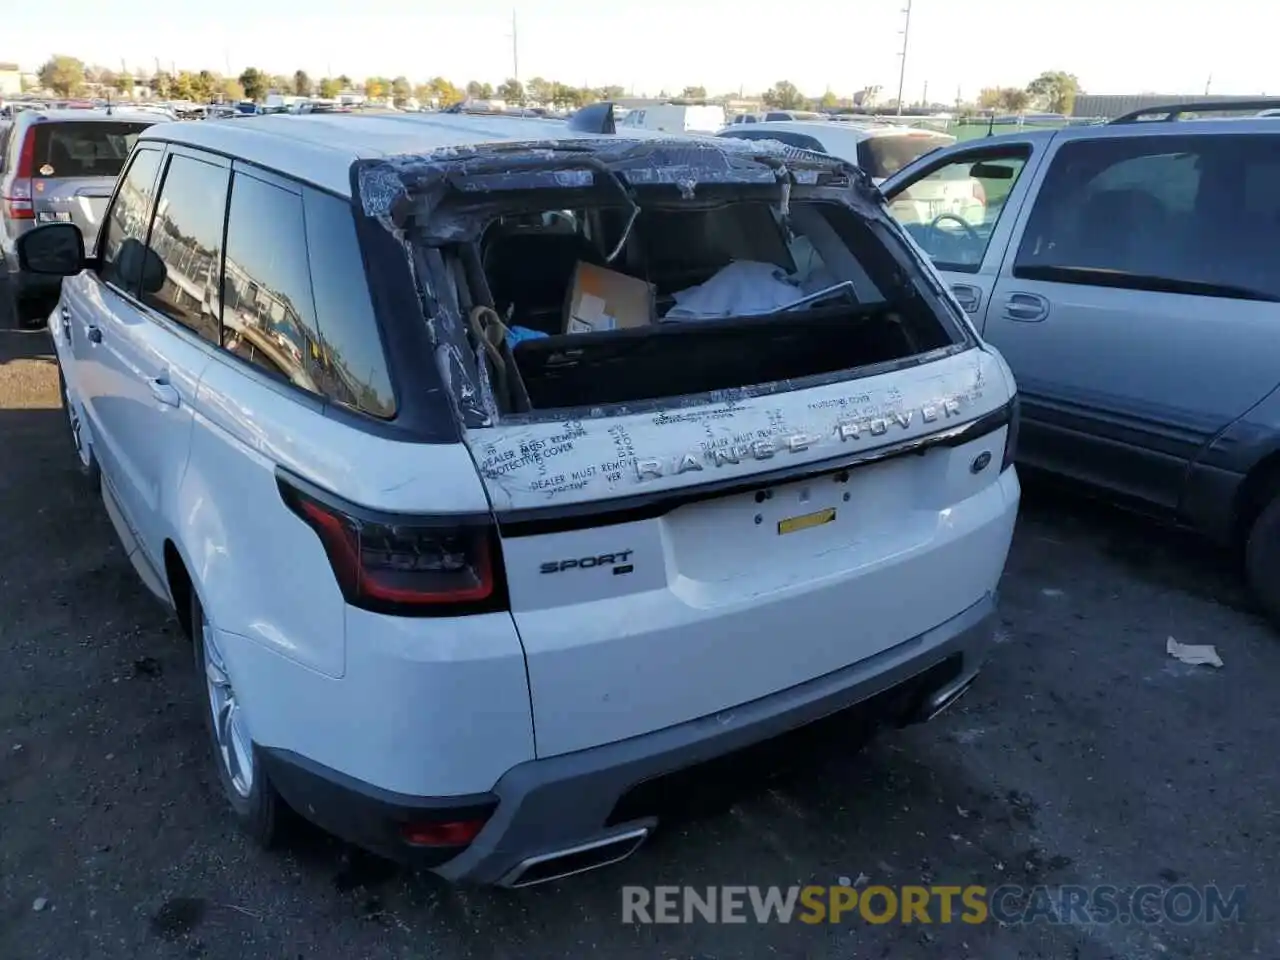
1114 46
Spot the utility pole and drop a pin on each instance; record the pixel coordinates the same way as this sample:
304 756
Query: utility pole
1207 84
924 97
515 49
902 70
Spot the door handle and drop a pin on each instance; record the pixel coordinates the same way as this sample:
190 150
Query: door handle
93 333
65 314
163 391
1026 307
969 297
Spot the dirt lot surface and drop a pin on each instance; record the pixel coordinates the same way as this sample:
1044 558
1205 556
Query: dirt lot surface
1085 754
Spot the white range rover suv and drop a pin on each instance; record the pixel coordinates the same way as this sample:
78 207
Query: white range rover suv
478 593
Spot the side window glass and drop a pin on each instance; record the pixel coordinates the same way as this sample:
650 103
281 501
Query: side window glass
180 270
352 362
269 317
124 234
953 211
1148 212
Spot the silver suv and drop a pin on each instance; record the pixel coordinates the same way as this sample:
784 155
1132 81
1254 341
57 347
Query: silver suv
58 166
1127 272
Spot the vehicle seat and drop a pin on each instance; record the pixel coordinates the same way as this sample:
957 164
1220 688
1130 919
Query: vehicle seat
60 158
1121 230
532 270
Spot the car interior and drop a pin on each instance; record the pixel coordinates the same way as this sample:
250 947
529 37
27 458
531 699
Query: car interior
841 301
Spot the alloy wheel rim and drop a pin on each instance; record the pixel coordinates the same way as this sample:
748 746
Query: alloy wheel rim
235 750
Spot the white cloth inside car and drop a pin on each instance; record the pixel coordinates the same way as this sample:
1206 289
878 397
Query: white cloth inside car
743 288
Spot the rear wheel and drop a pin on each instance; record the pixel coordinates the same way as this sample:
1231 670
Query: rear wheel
253 800
1262 559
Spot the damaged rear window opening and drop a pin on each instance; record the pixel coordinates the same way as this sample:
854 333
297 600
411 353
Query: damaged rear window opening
566 277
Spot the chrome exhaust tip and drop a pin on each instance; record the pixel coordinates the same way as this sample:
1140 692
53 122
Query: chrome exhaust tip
940 700
576 859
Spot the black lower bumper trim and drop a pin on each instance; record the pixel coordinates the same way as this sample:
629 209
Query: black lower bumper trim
365 815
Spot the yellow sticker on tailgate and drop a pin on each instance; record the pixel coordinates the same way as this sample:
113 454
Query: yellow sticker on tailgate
806 520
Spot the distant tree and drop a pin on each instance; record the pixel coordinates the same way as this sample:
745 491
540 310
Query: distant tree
162 84
344 81
539 89
479 91
101 76
612 92
374 87
445 91
181 87
990 98
255 83
694 93
1014 100
511 90
330 87
829 101
400 91
302 85
1056 90
784 95
63 75
231 89
124 83
208 85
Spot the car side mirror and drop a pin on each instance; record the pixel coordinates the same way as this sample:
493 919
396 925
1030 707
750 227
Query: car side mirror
55 249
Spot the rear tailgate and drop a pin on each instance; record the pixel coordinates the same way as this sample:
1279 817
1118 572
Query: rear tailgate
668 565
75 169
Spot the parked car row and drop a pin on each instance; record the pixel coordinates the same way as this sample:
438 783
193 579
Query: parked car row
500 489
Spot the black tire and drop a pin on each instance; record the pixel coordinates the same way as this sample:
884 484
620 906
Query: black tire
30 313
89 470
1262 560
260 813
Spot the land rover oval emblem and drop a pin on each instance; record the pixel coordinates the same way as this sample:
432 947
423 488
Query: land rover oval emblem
980 462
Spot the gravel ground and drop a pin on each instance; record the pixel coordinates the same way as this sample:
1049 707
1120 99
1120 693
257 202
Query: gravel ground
1084 754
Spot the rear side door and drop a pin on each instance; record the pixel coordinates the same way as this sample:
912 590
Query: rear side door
1140 305
75 169
154 341
966 243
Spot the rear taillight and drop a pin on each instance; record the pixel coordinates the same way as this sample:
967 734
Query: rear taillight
408 565
18 202
1011 435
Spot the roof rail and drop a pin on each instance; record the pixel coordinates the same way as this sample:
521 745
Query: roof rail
1171 111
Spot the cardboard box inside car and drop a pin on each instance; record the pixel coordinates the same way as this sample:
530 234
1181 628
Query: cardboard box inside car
602 299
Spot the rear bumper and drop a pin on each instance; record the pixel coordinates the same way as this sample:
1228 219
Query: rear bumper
596 805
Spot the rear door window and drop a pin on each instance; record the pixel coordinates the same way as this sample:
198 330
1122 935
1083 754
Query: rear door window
186 235
1193 214
885 155
96 148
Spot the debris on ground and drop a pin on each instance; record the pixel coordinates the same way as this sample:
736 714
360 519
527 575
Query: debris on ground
39 904
1194 654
